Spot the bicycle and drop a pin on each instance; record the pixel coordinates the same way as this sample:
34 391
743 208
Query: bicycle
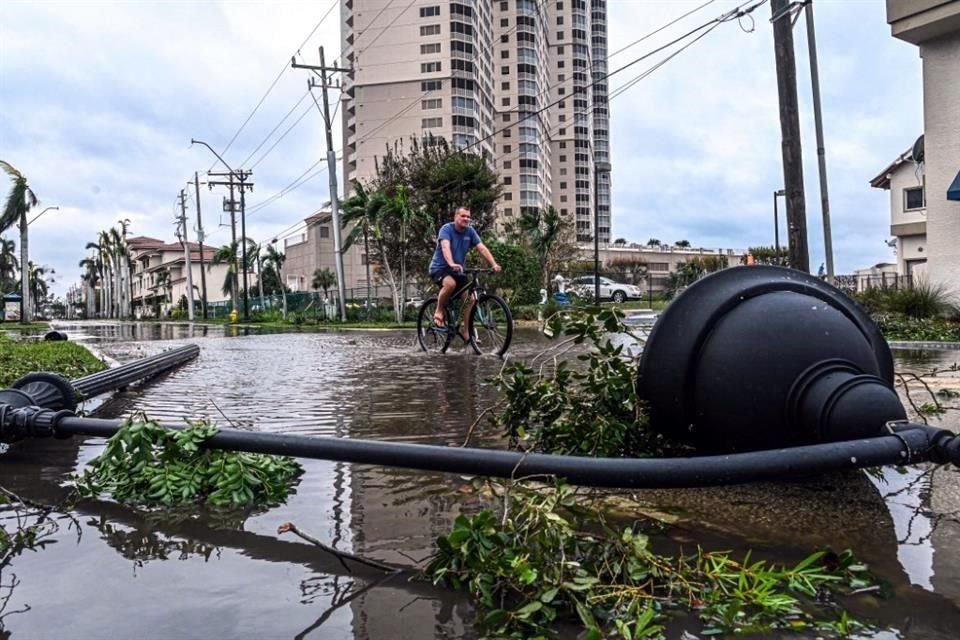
489 327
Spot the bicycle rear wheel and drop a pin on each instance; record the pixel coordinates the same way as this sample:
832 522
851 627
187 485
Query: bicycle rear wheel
429 336
490 326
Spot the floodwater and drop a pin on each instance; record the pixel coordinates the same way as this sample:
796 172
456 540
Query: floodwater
123 573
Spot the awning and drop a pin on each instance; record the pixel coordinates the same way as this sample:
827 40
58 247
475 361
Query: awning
13 296
953 191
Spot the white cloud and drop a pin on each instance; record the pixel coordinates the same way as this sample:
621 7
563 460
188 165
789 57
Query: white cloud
100 101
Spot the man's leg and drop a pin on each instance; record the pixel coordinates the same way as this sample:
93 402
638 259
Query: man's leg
446 290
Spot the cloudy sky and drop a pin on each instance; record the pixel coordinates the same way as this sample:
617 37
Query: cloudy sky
99 101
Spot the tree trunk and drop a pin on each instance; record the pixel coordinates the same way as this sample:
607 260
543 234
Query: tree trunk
283 290
393 284
24 271
366 251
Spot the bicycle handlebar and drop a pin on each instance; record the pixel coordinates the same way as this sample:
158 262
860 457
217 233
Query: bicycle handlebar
466 271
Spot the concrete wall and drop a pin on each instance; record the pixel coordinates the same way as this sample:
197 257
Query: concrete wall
941 115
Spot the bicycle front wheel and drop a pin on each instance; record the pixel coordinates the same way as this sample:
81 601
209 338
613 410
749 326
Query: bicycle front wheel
430 337
491 326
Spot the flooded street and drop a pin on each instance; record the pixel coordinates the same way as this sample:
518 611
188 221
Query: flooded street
122 573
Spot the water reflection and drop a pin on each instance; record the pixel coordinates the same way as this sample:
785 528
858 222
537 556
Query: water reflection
375 385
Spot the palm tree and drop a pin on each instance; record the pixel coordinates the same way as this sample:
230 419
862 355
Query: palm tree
620 242
119 255
228 255
8 264
164 284
102 263
357 210
545 231
682 243
653 242
38 284
19 202
324 279
92 270
274 259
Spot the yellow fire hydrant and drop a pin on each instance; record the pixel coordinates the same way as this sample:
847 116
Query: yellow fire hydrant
233 316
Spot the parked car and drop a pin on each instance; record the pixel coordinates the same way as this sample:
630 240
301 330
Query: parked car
583 287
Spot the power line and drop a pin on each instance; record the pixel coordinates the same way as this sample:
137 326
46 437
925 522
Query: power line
272 131
277 141
275 81
528 115
713 24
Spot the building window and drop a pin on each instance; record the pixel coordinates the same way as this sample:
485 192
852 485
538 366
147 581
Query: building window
429 67
324 231
508 211
429 12
431 85
505 54
561 64
563 158
563 198
559 35
507 195
433 47
430 30
505 38
505 101
505 86
562 118
505 70
563 145
563 185
507 164
430 123
506 117
561 91
507 148
506 133
431 103
504 6
504 22
563 131
563 171
508 180
913 198
559 20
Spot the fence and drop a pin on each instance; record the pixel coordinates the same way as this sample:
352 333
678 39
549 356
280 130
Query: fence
322 306
884 281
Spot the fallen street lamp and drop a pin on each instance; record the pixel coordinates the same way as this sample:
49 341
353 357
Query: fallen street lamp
243 224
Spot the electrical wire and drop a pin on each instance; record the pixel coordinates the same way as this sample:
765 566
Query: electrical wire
277 141
283 70
272 131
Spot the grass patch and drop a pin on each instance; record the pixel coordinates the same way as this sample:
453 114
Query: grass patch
16 326
18 358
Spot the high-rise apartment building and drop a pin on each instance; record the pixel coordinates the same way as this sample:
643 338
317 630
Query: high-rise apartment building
519 80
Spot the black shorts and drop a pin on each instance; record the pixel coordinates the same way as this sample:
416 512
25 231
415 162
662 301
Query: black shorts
438 276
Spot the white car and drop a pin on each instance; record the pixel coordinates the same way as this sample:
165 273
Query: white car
583 287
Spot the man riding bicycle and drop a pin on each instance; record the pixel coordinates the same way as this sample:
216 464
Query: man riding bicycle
454 241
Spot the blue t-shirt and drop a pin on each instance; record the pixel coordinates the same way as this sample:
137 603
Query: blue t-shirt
460 245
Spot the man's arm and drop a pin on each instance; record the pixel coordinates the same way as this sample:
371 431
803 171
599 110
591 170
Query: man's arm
482 248
448 255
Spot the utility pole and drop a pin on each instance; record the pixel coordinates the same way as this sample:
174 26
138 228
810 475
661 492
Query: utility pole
203 275
322 71
184 237
790 131
243 176
821 150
